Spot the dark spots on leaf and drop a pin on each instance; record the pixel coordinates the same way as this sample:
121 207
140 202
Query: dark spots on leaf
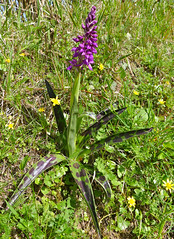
20 186
53 157
31 171
76 165
84 187
102 178
26 178
40 163
117 140
81 174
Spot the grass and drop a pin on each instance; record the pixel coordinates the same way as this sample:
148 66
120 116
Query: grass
135 48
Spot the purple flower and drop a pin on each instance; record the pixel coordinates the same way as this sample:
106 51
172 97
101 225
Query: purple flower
87 47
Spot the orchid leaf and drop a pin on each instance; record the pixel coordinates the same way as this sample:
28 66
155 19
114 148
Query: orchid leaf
34 172
60 120
102 121
82 180
106 111
105 185
72 127
116 138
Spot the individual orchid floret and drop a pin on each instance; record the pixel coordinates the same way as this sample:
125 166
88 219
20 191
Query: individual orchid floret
87 47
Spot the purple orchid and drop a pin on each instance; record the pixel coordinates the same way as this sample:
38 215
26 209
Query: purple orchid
87 47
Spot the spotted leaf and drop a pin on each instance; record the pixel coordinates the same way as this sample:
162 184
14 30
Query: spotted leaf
105 111
116 138
60 120
82 180
105 185
33 173
102 121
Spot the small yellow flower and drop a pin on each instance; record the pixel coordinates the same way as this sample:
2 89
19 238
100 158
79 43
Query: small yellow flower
55 101
168 185
131 201
101 67
167 82
22 54
161 101
41 109
136 92
7 60
10 126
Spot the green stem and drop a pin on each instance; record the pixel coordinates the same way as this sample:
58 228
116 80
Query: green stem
72 127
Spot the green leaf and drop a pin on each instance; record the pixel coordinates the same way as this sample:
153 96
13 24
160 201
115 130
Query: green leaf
116 138
34 172
122 224
60 120
72 127
105 185
82 180
102 121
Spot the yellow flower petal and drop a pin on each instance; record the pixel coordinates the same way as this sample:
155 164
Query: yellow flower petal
131 201
55 101
136 92
101 67
10 126
7 60
168 185
22 54
41 109
161 101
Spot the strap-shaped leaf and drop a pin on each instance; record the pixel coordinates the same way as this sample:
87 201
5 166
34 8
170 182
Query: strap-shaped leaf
105 185
84 184
33 173
102 121
105 111
72 127
60 120
116 138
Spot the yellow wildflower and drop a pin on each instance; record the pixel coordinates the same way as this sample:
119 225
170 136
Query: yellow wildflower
41 109
168 185
136 92
22 54
7 60
167 82
131 201
101 67
55 101
10 126
161 101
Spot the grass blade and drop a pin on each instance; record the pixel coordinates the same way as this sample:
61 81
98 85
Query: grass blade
82 180
60 120
34 172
